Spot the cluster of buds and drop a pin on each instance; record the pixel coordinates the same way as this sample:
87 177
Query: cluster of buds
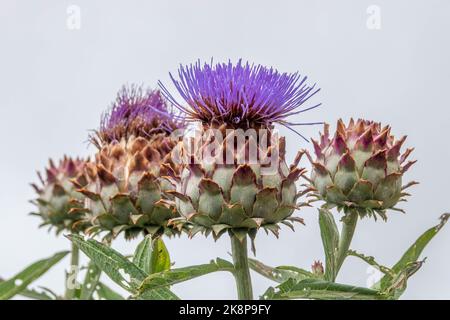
126 183
233 178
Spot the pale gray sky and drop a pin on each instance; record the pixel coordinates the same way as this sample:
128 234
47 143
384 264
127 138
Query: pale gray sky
55 82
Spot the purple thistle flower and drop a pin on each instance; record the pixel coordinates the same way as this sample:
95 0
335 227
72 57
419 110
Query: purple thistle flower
240 95
137 112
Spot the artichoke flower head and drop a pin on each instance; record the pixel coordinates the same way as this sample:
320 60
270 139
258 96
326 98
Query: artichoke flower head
360 168
126 182
58 203
234 175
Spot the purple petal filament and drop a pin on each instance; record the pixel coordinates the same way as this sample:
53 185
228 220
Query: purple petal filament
241 95
138 112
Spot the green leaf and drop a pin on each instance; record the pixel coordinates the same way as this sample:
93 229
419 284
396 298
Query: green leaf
414 251
116 266
48 291
34 294
151 255
330 239
397 285
170 277
160 258
106 293
143 253
19 282
156 294
91 280
320 290
279 274
371 261
409 264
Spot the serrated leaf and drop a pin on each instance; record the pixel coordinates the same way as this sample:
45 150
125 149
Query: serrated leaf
330 239
397 285
170 277
90 282
19 282
319 290
50 292
36 295
279 274
370 261
106 293
301 273
116 266
414 251
408 264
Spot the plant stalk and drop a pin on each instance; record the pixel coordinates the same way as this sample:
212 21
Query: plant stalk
241 269
71 275
347 232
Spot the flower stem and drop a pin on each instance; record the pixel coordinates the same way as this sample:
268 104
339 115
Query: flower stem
347 232
71 275
241 269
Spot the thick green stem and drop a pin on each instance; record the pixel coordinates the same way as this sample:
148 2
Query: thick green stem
348 229
71 275
241 269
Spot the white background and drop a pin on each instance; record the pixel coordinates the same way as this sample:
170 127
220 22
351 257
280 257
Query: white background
55 82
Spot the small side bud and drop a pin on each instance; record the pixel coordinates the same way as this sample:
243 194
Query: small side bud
317 268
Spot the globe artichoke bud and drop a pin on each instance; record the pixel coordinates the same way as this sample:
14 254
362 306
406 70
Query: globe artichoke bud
317 268
58 203
234 173
126 182
360 168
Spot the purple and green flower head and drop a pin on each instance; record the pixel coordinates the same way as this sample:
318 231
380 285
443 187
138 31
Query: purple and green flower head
137 112
240 95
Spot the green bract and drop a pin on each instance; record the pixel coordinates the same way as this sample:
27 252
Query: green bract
240 197
125 187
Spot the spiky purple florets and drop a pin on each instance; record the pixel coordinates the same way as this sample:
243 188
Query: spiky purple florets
240 95
137 112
